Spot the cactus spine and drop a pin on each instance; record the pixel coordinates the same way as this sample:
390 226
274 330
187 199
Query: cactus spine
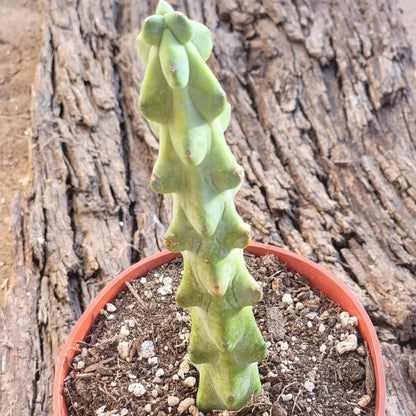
187 109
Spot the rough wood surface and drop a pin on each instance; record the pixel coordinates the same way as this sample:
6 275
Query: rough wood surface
323 96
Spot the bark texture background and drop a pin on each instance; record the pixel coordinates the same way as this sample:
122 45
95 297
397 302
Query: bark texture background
323 96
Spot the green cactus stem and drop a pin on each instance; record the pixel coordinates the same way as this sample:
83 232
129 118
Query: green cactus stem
187 109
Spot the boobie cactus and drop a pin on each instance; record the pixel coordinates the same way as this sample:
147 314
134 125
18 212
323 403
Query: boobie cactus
187 109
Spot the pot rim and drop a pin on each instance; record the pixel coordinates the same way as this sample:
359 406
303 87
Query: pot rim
318 277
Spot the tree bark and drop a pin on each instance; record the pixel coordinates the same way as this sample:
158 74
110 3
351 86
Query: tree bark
322 95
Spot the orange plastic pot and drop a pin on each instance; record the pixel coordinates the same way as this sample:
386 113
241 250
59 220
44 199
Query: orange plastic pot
317 275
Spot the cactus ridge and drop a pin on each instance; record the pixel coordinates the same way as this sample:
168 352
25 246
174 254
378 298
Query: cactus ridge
187 109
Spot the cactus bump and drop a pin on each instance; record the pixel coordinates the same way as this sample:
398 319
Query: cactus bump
187 109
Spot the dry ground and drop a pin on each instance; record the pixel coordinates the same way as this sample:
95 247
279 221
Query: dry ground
19 48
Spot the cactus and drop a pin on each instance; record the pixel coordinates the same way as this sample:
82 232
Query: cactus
187 109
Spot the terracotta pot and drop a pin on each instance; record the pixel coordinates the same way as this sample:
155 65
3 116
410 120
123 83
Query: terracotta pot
318 277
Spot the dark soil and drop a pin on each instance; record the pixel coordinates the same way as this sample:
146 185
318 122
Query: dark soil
304 374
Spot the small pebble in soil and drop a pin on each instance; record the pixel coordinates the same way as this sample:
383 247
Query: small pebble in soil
147 349
353 321
184 366
287 299
284 346
344 317
349 344
190 381
194 411
124 331
299 306
364 401
361 350
357 411
110 307
173 401
160 372
309 386
153 361
123 349
100 411
137 389
185 404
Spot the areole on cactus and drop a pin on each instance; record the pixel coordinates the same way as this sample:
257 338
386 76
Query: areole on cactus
187 109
